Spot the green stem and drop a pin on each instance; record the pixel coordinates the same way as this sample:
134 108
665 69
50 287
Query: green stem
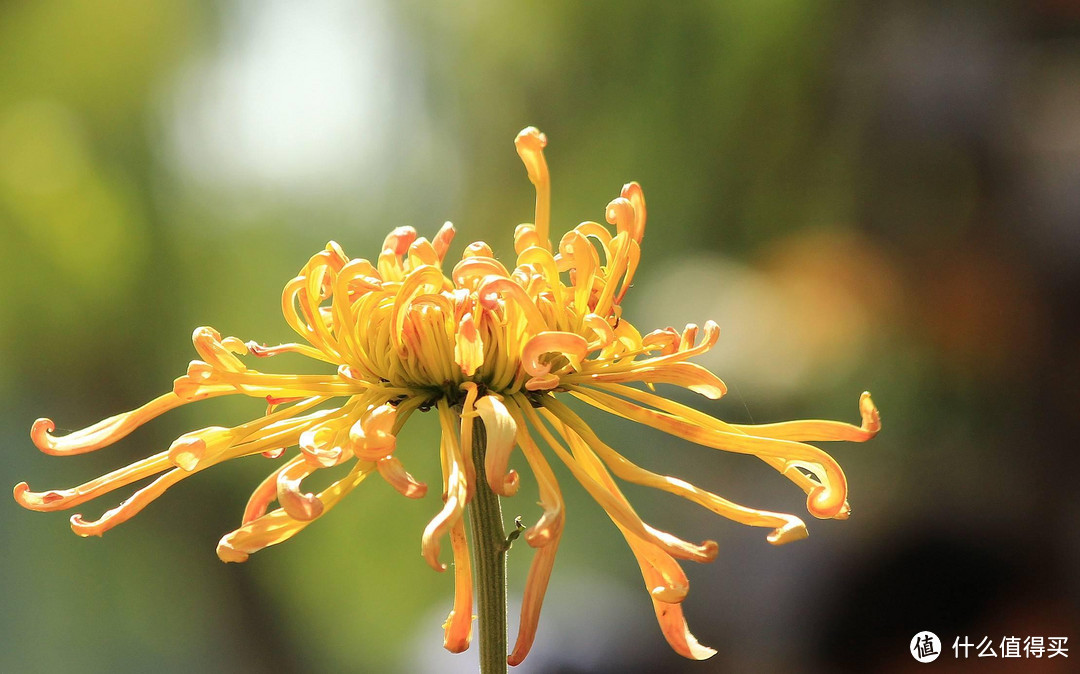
489 550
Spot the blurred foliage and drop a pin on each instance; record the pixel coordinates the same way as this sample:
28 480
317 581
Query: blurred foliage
865 196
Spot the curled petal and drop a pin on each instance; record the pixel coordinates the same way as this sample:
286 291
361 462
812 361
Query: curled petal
786 528
605 335
336 255
372 436
298 505
442 240
424 279
530 143
211 349
421 252
688 375
278 526
569 344
322 446
63 499
825 500
632 192
677 632
819 430
458 626
468 346
104 432
507 289
621 214
471 271
394 473
129 508
549 527
398 241
264 495
543 382
666 582
525 237
666 340
664 578
478 249
501 433
533 599
617 508
454 477
544 535
191 449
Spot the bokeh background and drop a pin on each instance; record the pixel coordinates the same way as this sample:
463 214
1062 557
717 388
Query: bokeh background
880 196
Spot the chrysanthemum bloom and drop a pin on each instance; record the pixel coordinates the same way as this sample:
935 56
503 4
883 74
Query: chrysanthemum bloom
480 341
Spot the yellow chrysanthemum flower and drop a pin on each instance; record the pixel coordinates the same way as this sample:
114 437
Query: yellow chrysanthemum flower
480 342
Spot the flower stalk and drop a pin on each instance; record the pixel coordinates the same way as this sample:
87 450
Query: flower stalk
489 549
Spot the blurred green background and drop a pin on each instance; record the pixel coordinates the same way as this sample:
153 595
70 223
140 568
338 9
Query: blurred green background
880 196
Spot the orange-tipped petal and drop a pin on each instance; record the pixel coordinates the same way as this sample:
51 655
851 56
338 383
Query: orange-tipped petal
398 241
204 445
297 505
468 346
63 499
677 632
786 528
525 237
208 344
264 494
620 213
633 193
327 444
823 501
442 240
509 290
129 508
688 375
533 600
617 508
277 526
501 434
454 477
530 143
392 470
104 432
458 626
372 436
568 344
817 430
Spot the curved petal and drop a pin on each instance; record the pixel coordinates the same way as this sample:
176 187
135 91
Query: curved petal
456 489
298 505
468 346
820 430
530 143
107 431
501 432
568 344
617 509
458 626
687 375
786 528
392 470
824 501
372 436
278 526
